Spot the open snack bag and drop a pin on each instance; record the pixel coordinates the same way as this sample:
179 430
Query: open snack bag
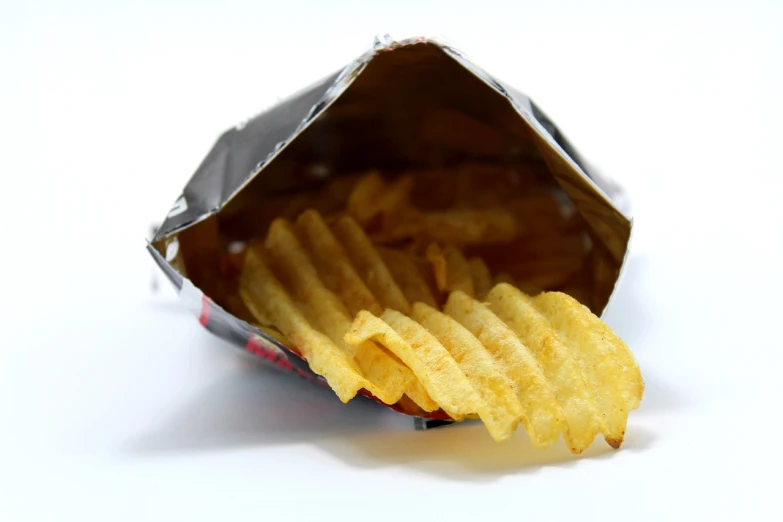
413 230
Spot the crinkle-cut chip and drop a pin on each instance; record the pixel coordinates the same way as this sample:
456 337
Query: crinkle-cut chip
266 298
479 272
373 197
458 275
417 255
609 367
498 407
425 268
466 226
409 407
425 356
575 322
451 269
396 198
363 201
369 265
437 260
543 417
259 314
452 226
339 188
298 275
333 264
561 370
407 276
325 310
403 230
420 397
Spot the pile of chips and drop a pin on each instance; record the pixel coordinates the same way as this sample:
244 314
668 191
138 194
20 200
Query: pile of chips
444 307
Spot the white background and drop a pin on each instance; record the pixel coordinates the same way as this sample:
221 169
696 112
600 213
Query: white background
116 405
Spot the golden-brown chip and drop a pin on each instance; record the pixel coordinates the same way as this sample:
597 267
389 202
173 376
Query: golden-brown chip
498 407
396 199
338 189
437 260
451 269
363 201
265 297
452 226
458 276
561 370
407 406
479 272
373 198
425 356
407 276
609 367
291 263
369 265
466 226
543 417
334 266
420 397
325 310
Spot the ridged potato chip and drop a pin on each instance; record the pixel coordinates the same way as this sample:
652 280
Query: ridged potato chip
482 279
543 416
407 275
420 397
556 360
372 198
451 269
263 295
369 265
453 226
498 406
334 266
608 365
324 309
438 373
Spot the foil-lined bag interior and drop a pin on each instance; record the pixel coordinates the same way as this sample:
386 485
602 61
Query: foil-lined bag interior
416 106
